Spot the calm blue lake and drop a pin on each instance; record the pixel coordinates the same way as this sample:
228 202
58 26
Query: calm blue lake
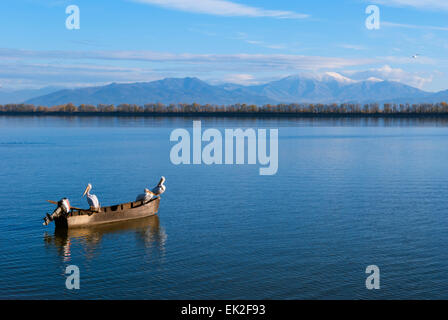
348 194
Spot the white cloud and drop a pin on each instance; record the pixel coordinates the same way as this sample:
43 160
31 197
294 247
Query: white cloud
412 26
232 61
223 8
47 67
244 37
420 4
352 46
406 60
240 78
42 74
392 74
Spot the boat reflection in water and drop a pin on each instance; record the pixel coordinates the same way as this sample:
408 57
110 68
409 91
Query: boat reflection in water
147 231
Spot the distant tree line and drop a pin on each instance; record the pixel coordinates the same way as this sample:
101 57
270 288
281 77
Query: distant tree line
157 108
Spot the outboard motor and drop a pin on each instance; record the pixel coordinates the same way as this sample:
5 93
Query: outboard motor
62 209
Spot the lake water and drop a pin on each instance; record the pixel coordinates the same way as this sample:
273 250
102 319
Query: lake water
348 194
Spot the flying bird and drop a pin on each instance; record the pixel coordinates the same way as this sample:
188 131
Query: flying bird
415 56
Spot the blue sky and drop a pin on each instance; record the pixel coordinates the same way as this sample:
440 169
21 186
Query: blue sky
241 41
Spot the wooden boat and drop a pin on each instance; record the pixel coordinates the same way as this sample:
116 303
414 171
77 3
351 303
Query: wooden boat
77 217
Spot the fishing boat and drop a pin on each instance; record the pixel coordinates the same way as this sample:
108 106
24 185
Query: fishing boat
66 216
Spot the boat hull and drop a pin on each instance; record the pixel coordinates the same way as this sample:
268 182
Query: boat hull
121 212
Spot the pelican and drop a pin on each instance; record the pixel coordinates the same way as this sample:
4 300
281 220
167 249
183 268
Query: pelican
146 196
92 199
160 188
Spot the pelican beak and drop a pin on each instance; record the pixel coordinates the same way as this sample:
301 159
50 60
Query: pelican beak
87 189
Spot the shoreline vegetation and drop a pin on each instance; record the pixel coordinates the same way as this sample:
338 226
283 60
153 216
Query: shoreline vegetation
235 110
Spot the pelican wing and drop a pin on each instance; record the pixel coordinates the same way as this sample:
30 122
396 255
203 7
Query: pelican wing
92 200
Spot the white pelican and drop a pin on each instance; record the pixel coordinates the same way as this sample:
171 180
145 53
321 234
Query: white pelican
92 199
146 196
160 188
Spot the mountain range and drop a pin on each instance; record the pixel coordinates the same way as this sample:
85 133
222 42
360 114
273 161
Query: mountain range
17 96
328 88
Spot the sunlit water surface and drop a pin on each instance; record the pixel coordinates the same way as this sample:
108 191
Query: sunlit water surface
348 194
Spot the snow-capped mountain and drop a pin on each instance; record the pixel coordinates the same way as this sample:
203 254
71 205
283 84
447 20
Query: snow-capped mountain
329 87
